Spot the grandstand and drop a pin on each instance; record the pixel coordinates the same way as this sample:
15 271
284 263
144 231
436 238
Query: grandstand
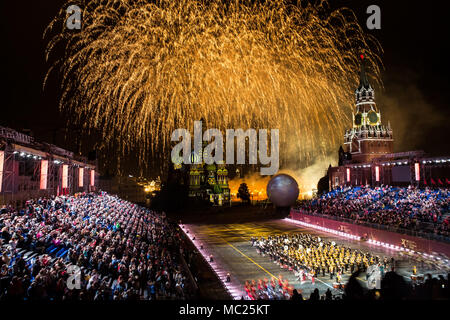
410 208
116 250
397 169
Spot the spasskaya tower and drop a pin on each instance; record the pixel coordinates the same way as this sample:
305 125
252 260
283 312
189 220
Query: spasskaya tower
368 138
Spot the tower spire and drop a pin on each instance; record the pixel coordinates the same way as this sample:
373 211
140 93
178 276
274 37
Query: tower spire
363 80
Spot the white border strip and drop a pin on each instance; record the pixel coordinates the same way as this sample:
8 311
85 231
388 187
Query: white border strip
370 241
323 229
233 290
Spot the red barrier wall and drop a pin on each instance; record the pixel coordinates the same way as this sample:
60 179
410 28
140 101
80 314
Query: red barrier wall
397 239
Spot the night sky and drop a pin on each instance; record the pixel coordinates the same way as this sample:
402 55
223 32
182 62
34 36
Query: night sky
415 76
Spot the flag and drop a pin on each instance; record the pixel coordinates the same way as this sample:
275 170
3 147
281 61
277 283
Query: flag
440 182
432 181
447 181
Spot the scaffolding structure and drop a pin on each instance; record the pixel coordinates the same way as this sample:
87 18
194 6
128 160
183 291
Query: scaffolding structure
31 169
414 167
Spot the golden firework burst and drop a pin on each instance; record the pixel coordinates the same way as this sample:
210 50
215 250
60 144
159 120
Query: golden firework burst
139 69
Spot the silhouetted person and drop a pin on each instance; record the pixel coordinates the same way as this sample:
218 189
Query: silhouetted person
296 296
447 286
328 295
394 287
314 295
353 289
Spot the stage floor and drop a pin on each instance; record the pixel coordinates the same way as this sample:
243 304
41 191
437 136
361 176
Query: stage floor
231 247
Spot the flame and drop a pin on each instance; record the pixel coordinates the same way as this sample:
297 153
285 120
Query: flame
307 179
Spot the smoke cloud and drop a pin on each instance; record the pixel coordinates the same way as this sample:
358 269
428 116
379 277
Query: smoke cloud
410 113
307 179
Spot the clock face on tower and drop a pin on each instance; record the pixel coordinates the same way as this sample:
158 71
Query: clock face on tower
373 118
358 119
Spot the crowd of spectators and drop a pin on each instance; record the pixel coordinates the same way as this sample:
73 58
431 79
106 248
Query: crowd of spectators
122 251
393 287
396 287
408 208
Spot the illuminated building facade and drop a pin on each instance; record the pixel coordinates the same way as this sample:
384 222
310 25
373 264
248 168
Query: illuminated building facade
33 169
368 158
368 138
208 182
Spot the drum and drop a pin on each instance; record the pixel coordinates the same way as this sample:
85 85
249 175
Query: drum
414 277
336 285
420 277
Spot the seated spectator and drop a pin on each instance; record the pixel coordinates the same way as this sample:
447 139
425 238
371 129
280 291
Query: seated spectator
407 208
119 246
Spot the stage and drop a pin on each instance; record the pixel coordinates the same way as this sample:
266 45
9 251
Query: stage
230 245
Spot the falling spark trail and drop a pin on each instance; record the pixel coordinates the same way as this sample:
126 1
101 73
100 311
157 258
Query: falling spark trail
139 69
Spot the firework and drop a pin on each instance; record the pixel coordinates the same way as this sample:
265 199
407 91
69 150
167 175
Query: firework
139 69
